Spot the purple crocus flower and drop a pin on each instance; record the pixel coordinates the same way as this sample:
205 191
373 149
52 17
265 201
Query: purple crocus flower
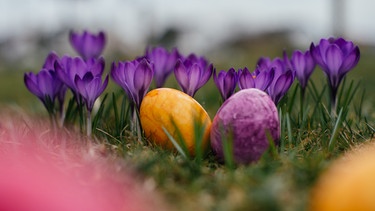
281 85
45 84
90 87
193 58
226 82
84 80
134 77
88 45
163 62
68 68
192 73
304 65
336 57
260 79
49 64
283 77
265 64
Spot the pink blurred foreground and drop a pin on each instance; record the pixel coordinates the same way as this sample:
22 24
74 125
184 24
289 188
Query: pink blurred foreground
43 170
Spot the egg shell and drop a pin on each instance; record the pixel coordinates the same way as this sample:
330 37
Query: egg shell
244 118
348 183
172 109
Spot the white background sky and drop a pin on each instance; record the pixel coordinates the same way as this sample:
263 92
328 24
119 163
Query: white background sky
204 21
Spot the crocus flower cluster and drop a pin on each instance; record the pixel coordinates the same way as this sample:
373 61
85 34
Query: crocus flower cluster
272 76
335 56
258 79
135 77
46 85
83 76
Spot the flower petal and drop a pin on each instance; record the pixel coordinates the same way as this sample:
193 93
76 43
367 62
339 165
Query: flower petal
304 65
345 46
334 59
205 75
281 86
129 75
104 85
159 57
142 80
88 45
218 80
76 67
46 83
315 53
309 63
30 82
263 63
181 75
50 61
246 80
143 75
195 75
264 79
62 75
350 61
80 86
230 82
172 59
98 66
298 61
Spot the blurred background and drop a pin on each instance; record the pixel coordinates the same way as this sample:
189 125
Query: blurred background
230 33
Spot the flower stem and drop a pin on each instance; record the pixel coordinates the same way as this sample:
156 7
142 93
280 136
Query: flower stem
88 124
62 115
136 125
302 99
333 97
53 121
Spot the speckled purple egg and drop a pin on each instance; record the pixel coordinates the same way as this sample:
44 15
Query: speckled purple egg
244 118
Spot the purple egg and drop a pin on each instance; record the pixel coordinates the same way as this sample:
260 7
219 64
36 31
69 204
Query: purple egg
244 118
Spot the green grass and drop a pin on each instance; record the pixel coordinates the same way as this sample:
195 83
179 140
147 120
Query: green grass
280 180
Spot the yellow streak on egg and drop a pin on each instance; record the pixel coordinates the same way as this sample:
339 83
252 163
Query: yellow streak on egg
173 109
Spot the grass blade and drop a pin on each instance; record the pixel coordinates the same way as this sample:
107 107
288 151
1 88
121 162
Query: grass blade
289 127
228 151
99 114
175 143
335 132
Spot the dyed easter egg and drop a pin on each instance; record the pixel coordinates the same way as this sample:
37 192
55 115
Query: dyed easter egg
244 119
178 113
348 183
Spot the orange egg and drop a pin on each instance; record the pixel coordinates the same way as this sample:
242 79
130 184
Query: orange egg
348 184
178 113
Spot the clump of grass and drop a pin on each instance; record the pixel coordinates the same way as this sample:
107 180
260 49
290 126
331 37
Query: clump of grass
281 180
